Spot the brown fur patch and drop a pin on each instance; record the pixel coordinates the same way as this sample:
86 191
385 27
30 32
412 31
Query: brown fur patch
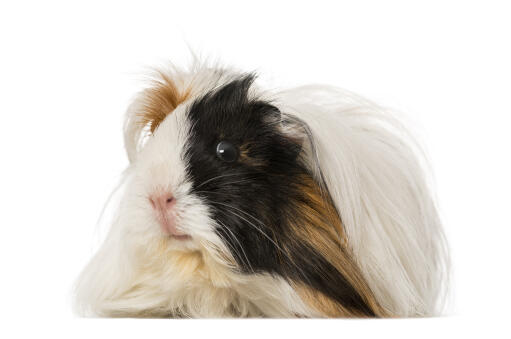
247 159
160 100
322 228
324 305
209 263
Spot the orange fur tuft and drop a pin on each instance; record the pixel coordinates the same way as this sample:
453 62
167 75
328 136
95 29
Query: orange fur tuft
161 100
323 230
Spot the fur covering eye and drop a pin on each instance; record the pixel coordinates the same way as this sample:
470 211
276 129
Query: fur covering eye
242 202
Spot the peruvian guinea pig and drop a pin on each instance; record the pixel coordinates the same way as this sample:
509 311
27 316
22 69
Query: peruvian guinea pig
240 202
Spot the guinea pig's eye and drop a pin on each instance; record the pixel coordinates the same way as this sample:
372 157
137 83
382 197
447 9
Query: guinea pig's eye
226 151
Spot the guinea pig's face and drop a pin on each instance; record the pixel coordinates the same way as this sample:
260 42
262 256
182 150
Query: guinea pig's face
221 169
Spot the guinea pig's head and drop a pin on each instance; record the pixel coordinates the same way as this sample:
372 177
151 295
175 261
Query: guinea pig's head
224 172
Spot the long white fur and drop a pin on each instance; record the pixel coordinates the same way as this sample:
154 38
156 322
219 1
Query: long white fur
373 171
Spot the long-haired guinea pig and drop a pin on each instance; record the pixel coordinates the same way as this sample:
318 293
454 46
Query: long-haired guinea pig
240 202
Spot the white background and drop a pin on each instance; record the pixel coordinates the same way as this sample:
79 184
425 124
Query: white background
68 71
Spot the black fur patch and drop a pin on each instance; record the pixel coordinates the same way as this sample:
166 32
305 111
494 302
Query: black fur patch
251 200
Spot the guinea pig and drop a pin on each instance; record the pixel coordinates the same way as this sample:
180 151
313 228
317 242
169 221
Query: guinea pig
241 202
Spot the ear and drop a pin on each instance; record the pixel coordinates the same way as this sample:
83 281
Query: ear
299 132
150 108
288 127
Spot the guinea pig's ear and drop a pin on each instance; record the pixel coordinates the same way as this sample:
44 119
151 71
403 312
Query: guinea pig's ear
149 109
296 131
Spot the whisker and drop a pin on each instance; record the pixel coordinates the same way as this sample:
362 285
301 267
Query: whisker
291 261
217 177
241 247
223 185
231 247
235 182
263 233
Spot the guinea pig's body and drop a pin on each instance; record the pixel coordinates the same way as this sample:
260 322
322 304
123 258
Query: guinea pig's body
307 202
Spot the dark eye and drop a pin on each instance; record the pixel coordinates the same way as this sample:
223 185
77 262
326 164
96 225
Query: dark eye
227 151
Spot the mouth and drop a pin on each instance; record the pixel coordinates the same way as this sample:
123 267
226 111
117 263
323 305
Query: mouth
169 228
181 237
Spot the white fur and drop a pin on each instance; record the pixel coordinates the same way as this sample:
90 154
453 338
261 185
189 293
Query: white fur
372 169
375 174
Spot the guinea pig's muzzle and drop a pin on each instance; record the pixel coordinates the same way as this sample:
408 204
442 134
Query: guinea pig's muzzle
163 204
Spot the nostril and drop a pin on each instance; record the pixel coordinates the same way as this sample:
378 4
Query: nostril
162 201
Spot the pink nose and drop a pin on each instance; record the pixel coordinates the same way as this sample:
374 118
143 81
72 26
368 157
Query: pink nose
163 204
162 201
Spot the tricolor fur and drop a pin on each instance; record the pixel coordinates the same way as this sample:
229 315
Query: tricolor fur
326 213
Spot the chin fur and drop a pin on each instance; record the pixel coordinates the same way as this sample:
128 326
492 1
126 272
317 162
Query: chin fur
356 232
